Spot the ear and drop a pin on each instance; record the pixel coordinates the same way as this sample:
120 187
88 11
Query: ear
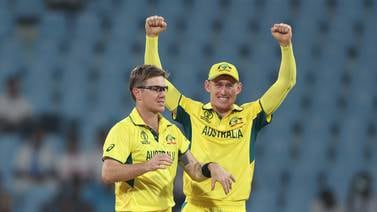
238 88
137 93
207 86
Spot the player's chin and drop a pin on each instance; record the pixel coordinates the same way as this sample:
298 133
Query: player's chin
160 108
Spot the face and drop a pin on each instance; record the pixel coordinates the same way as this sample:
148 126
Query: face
151 96
223 92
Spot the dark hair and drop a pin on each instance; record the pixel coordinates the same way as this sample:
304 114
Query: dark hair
328 198
361 186
143 72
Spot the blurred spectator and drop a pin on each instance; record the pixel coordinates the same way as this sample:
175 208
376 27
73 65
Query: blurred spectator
34 171
5 199
72 162
361 197
69 198
15 109
95 155
285 181
34 162
326 201
100 195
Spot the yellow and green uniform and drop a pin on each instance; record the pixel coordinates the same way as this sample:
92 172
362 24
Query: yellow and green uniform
131 141
229 140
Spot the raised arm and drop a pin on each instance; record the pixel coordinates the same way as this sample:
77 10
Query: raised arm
154 25
275 95
211 170
114 171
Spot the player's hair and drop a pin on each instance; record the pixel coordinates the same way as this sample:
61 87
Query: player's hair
143 72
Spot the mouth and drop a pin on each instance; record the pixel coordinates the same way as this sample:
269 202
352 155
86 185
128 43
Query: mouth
223 98
162 102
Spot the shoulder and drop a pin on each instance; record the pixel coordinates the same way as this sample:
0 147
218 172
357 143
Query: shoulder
188 102
123 125
254 106
171 127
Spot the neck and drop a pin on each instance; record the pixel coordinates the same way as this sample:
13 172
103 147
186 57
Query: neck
221 113
150 118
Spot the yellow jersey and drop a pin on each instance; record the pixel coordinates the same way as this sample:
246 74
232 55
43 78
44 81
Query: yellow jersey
229 141
131 141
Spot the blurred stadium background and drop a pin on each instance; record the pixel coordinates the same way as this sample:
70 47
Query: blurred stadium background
71 60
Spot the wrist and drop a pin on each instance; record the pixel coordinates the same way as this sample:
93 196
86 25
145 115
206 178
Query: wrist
146 167
285 44
151 35
206 169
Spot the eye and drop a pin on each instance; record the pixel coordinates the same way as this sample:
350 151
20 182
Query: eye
229 85
155 88
218 85
159 88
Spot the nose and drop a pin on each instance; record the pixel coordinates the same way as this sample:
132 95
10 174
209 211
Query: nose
162 94
223 90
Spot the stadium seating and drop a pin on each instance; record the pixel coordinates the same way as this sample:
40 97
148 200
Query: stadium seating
77 65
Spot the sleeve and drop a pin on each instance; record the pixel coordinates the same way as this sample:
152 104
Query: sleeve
262 118
152 57
183 143
257 114
275 95
182 109
117 145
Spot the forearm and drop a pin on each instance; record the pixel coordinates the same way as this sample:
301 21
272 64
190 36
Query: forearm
114 172
151 55
194 170
191 166
286 80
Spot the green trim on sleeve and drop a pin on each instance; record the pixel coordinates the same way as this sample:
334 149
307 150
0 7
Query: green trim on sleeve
184 118
130 161
258 123
253 138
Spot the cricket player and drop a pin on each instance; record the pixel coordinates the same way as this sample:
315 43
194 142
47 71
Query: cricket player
142 151
220 130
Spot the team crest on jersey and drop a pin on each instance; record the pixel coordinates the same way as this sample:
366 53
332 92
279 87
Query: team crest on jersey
207 116
170 139
235 120
144 137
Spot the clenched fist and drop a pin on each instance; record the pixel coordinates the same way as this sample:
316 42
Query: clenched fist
154 25
282 33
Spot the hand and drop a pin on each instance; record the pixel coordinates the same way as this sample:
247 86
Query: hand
159 161
282 33
154 25
220 175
